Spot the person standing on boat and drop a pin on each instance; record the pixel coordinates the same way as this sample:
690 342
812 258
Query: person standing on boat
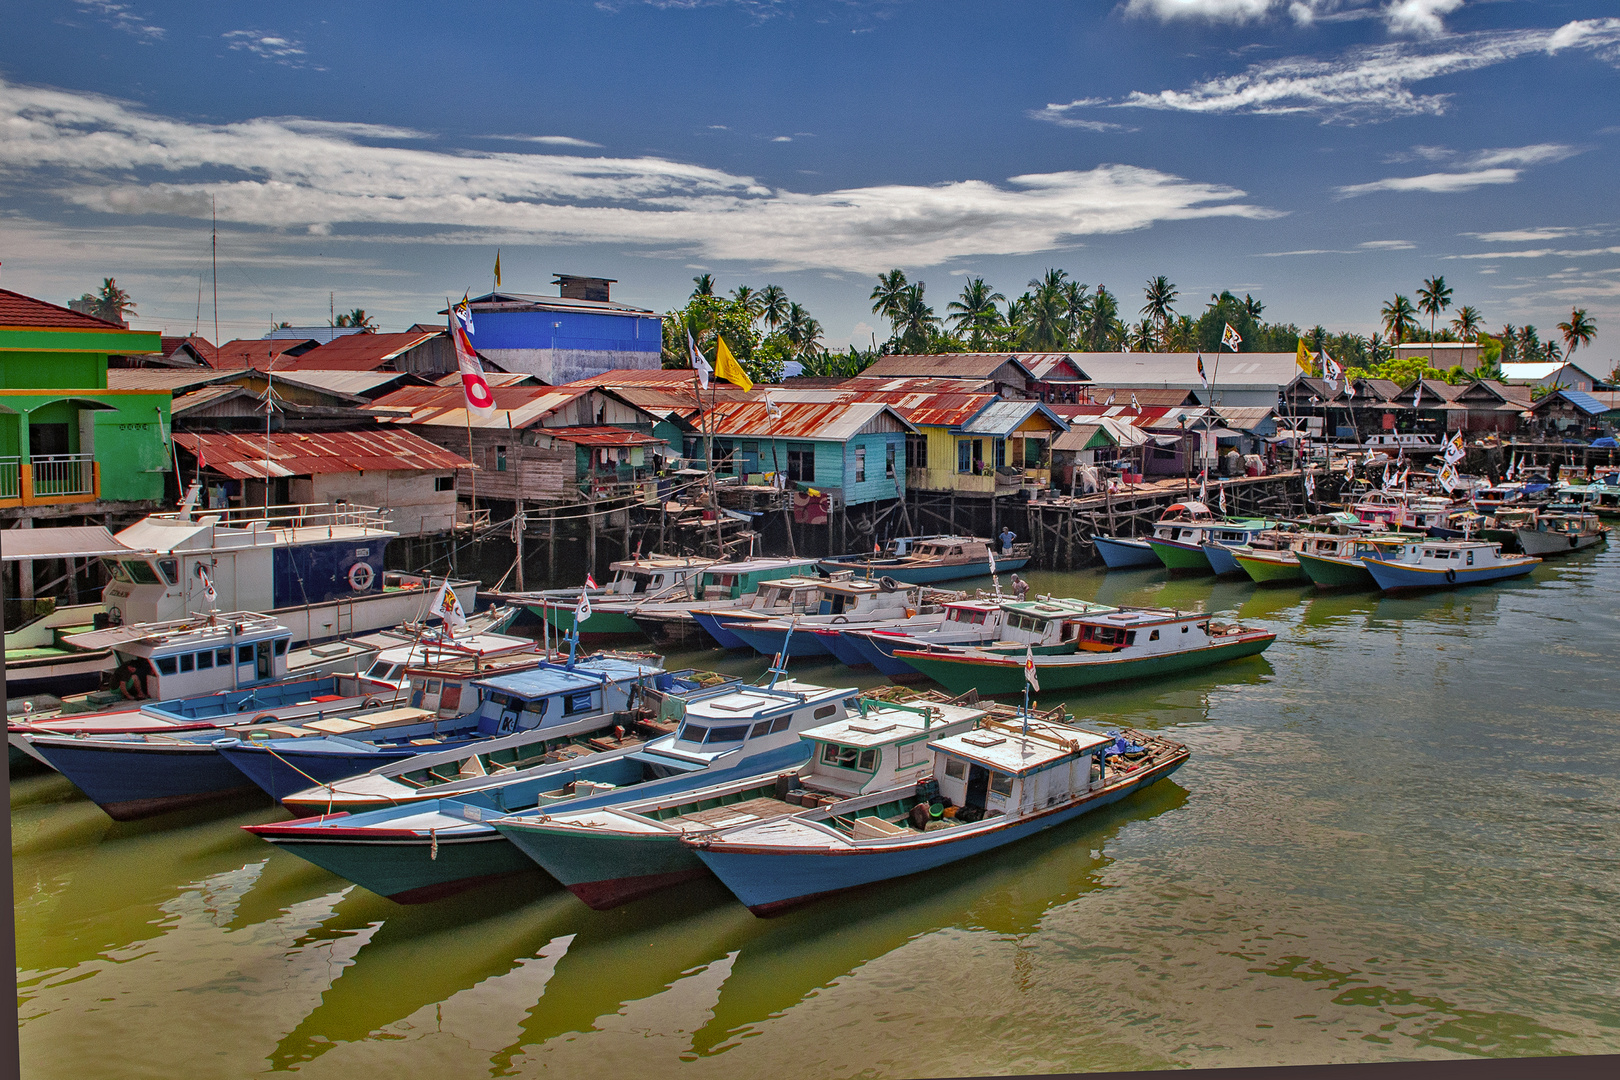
1007 538
1019 586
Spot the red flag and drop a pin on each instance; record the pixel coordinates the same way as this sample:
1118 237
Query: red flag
480 402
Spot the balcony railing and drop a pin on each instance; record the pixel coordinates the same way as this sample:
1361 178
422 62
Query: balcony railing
49 478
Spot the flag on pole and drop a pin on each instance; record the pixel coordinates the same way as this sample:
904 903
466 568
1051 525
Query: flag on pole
1220 494
1134 405
1110 400
700 365
1302 357
448 606
583 611
772 409
1454 450
480 402
497 268
590 581
1201 376
1230 338
990 552
1331 368
209 592
1417 392
1310 486
1029 668
1203 489
726 366
1448 476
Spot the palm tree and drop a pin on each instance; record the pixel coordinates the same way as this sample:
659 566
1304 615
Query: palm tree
1529 344
801 330
1509 337
773 306
917 323
1141 337
703 285
748 299
1160 295
1252 307
889 297
976 311
1078 304
1434 296
1398 315
1182 333
1046 325
1102 328
109 303
1468 322
358 317
1578 331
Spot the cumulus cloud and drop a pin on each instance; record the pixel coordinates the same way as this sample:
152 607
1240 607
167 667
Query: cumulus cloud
274 47
122 17
1371 83
114 158
548 140
1420 17
1481 168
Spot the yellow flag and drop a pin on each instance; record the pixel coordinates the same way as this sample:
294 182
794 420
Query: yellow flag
1303 359
726 366
497 268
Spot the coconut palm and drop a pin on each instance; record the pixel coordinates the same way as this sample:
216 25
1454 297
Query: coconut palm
1399 318
888 298
109 303
703 285
1468 322
1078 304
1252 307
1046 325
1143 337
1578 331
1434 296
976 311
1529 344
357 317
748 298
1182 334
773 306
1160 296
1102 327
917 323
802 331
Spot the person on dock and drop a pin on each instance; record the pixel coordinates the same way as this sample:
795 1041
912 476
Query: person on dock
1007 537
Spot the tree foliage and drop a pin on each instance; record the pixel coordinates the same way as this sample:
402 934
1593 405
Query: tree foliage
108 303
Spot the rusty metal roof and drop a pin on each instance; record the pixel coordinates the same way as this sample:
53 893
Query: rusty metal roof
254 352
243 457
801 419
1004 417
358 352
446 406
172 380
602 436
945 365
19 310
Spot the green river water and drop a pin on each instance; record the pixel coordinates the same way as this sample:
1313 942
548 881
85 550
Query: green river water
1398 837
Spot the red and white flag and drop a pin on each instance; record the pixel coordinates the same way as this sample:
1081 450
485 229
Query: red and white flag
480 402
590 581
1029 669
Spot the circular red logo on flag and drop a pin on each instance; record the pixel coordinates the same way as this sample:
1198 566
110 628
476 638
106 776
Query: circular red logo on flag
477 390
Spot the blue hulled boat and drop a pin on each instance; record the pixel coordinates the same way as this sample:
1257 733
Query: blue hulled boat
1445 564
1125 552
853 604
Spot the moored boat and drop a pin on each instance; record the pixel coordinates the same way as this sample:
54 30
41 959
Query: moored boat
1559 534
936 558
1179 537
852 604
719 585
1444 564
667 578
1124 552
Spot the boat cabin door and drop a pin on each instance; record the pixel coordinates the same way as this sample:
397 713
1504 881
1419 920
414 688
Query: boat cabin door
978 786
263 660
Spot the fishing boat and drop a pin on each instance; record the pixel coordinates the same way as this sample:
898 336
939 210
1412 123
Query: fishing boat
611 855
432 847
1180 535
936 558
1333 560
852 604
1124 552
773 599
1126 644
1444 564
977 621
1559 534
670 623
653 577
1003 781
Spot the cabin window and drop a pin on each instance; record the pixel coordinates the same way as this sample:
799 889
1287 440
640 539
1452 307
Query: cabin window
444 483
1183 629
801 462
117 570
244 654
170 569
860 464
761 728
888 461
780 724
825 711
1470 557
538 706
432 686
1153 636
911 753
729 733
693 733
956 770
379 670
578 703
1001 783
165 665
222 657
142 572
205 660
281 646
849 757
188 662
1204 626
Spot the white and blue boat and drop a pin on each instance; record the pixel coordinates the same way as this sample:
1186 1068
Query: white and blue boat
1445 564
996 785
854 604
1124 552
787 596
929 559
433 847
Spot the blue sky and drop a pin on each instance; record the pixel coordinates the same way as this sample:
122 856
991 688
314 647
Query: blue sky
1320 154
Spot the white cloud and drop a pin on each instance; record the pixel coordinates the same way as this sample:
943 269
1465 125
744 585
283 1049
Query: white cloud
123 17
783 138
1387 245
1238 11
282 50
1502 165
1442 183
1542 253
1525 236
548 140
111 157
1061 116
1420 17
1375 82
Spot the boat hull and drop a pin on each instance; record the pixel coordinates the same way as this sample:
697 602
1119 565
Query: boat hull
1122 553
286 771
769 641
412 870
1549 542
130 784
1393 576
1332 572
927 575
1267 570
843 647
601 623
608 869
1222 560
769 882
709 623
1178 556
996 676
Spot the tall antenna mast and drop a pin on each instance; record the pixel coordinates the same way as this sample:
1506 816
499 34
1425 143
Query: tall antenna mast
214 206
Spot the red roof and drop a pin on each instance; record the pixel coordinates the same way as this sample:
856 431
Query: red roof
242 457
1144 418
19 310
253 352
359 352
601 436
202 345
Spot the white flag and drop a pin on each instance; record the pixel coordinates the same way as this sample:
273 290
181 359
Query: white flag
1417 392
772 410
1447 476
1455 451
1134 405
1221 495
991 552
1110 400
1334 371
448 607
1230 338
1203 489
1310 486
583 611
1029 668
698 363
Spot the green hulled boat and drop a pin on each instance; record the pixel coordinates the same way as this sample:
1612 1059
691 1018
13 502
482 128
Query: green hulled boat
1130 644
1268 566
1180 535
1333 561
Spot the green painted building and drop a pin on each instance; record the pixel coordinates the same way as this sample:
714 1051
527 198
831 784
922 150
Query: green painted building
66 440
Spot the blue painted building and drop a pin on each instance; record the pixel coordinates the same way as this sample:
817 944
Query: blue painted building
580 333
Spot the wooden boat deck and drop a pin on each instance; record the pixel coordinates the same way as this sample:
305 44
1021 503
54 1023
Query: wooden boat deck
720 817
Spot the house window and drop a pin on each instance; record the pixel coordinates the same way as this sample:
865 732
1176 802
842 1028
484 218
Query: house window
964 455
916 451
1001 453
860 464
725 452
888 461
801 462
444 483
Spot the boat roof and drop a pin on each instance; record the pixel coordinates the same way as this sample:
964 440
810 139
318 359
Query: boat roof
887 724
1188 511
1006 749
751 702
554 678
172 631
427 652
1057 607
754 566
647 563
1141 617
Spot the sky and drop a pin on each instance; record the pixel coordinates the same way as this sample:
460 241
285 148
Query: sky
1321 155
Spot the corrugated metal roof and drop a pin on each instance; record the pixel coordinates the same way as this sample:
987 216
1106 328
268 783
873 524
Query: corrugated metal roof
510 301
247 352
893 384
602 436
1003 417
1582 401
358 352
1181 369
1124 414
203 395
494 378
353 383
1246 418
946 365
839 421
1079 437
243 457
171 379
446 406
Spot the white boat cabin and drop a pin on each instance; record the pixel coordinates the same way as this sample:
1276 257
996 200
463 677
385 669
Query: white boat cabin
998 769
1145 631
1047 621
188 658
1447 554
739 718
392 668
880 745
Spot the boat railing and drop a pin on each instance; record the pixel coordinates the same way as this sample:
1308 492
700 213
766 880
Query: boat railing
303 516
